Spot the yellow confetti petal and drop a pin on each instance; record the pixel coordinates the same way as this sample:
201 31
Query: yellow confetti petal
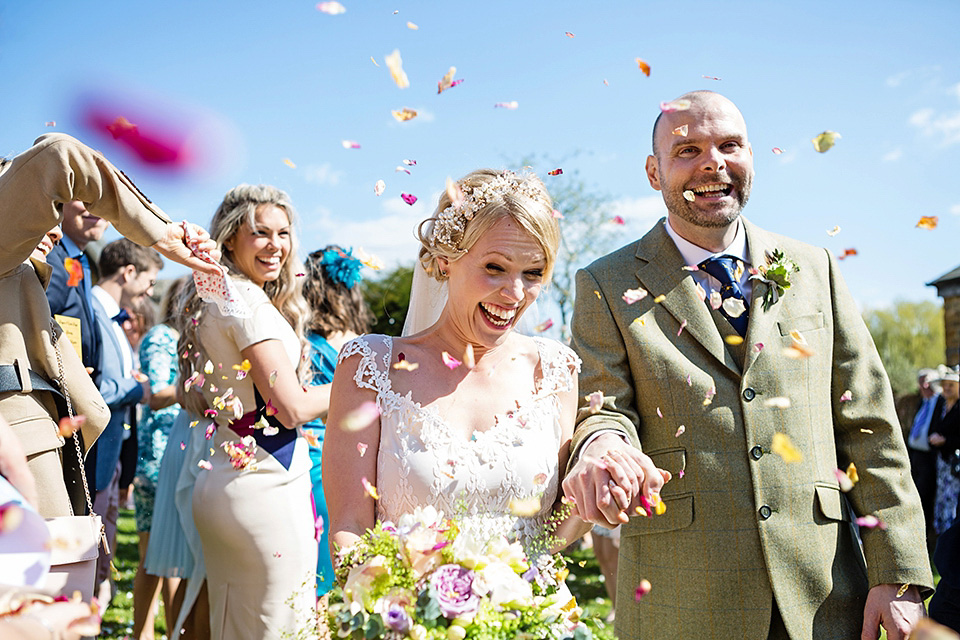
825 141
525 507
852 473
412 26
289 163
783 447
406 365
395 64
733 340
404 114
902 590
928 222
659 299
369 488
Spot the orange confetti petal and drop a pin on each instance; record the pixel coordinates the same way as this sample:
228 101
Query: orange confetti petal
847 253
643 66
928 222
681 130
370 489
404 114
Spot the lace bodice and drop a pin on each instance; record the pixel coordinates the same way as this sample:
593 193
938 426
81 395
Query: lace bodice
423 461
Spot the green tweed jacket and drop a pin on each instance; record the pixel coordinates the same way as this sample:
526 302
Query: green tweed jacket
744 528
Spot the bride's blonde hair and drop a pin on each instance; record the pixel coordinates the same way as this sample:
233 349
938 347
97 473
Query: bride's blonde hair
489 195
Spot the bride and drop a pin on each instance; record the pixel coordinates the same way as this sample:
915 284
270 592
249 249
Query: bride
471 416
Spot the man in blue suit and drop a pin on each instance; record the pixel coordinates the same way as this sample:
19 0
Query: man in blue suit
128 273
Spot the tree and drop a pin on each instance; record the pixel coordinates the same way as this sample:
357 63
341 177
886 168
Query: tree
585 227
909 337
388 298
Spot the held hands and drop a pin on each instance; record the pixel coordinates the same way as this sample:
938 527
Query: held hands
607 481
897 615
177 246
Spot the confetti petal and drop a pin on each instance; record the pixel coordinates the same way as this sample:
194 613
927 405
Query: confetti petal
871 522
555 172
404 114
846 396
758 347
270 410
412 26
928 222
74 270
362 448
659 413
447 81
331 8
852 473
525 507
70 424
271 430
406 365
449 361
676 105
843 480
379 187
689 195
708 397
350 144
311 439
733 340
409 198
777 150
847 253
834 231
361 417
783 447
642 589
410 163
682 327
273 378
513 104
50 123
778 402
710 78
643 66
539 479
395 65
205 464
618 220
369 488
11 517
543 326
681 130
468 360
634 295
701 292
595 401
734 307
289 163
825 141
568 34
680 431
208 367
715 300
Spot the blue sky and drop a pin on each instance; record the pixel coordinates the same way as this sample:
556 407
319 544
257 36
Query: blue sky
261 82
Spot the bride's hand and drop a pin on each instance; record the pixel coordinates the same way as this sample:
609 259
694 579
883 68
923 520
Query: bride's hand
608 480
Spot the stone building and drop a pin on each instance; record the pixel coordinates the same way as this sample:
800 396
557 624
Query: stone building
948 288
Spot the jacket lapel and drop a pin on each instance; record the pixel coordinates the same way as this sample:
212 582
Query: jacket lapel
759 244
662 273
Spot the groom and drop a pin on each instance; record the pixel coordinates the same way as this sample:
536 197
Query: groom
753 401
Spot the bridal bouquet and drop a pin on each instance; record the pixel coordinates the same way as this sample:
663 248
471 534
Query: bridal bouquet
423 578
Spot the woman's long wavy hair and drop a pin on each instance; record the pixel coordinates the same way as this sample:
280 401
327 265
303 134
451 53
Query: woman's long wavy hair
238 210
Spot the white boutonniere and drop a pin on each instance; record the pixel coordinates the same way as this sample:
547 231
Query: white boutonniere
776 275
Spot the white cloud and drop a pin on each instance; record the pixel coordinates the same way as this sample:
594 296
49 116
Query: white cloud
639 214
945 125
921 118
323 174
955 209
896 79
955 90
892 156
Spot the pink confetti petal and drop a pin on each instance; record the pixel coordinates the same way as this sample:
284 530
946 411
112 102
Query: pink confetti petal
410 163
618 220
659 413
595 401
270 409
409 198
676 105
513 104
642 589
362 448
689 381
758 347
847 396
400 169
369 488
777 150
871 521
568 34
331 8
634 295
682 326
318 529
350 144
555 172
710 77
543 326
205 464
844 480
680 431
449 361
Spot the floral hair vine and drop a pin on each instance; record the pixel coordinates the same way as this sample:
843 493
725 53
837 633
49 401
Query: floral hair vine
467 201
342 267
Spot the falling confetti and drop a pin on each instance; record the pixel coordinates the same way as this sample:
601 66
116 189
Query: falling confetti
778 402
403 169
379 187
643 66
689 195
208 367
205 464
777 150
270 430
318 529
682 130
374 62
843 480
928 222
51 123
369 488
676 105
468 360
409 198
708 397
710 77
595 401
289 163
311 439
733 340
825 141
680 431
543 326
847 253
618 220
701 292
331 8
361 417
449 361
350 144
799 348
659 413
412 26
362 448
834 231
395 64
539 479
634 295
734 307
406 365
715 300
447 81
410 163
682 327
273 378
525 507
642 589
568 34
785 449
846 396
758 347
75 270
70 424
513 104
871 522
404 114
605 83
555 172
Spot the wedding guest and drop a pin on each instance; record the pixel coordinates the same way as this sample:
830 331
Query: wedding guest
158 361
916 412
340 314
693 358
34 187
471 416
945 439
251 506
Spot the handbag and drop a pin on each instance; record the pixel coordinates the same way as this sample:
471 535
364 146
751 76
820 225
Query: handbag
75 540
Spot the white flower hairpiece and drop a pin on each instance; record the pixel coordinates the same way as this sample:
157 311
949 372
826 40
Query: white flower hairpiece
451 222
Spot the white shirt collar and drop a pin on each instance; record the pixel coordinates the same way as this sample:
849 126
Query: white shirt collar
109 304
692 254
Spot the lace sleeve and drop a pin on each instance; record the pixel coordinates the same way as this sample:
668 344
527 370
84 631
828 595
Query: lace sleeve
369 375
560 366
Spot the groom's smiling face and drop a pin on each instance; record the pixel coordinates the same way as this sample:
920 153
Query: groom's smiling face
703 152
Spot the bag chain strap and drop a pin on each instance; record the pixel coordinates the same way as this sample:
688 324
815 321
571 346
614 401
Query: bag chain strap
76 440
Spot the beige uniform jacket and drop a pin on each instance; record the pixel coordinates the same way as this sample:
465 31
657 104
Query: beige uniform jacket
743 527
33 188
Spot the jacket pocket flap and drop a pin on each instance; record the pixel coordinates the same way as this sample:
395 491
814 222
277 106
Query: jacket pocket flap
830 500
679 514
673 459
801 323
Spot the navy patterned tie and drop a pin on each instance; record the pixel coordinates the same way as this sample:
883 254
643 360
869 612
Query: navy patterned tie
722 268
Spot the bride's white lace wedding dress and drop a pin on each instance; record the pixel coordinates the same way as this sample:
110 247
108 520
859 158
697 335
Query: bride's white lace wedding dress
423 461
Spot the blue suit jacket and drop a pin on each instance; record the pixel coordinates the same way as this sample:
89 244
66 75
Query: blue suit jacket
119 390
70 301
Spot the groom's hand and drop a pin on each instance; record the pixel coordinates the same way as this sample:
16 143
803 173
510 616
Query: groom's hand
608 480
897 615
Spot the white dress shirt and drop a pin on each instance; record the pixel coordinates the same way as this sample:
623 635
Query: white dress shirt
113 308
694 255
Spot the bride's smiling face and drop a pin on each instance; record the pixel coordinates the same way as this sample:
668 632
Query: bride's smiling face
495 282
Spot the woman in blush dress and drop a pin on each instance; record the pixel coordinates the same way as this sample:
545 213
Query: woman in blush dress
474 417
251 500
340 314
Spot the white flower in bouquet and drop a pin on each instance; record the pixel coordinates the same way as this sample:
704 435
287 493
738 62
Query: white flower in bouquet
510 553
360 581
503 586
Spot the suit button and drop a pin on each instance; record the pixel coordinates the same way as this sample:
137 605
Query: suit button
749 394
756 453
765 512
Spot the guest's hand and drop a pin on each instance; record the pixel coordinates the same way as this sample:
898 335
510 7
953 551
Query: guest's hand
174 245
608 480
896 615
